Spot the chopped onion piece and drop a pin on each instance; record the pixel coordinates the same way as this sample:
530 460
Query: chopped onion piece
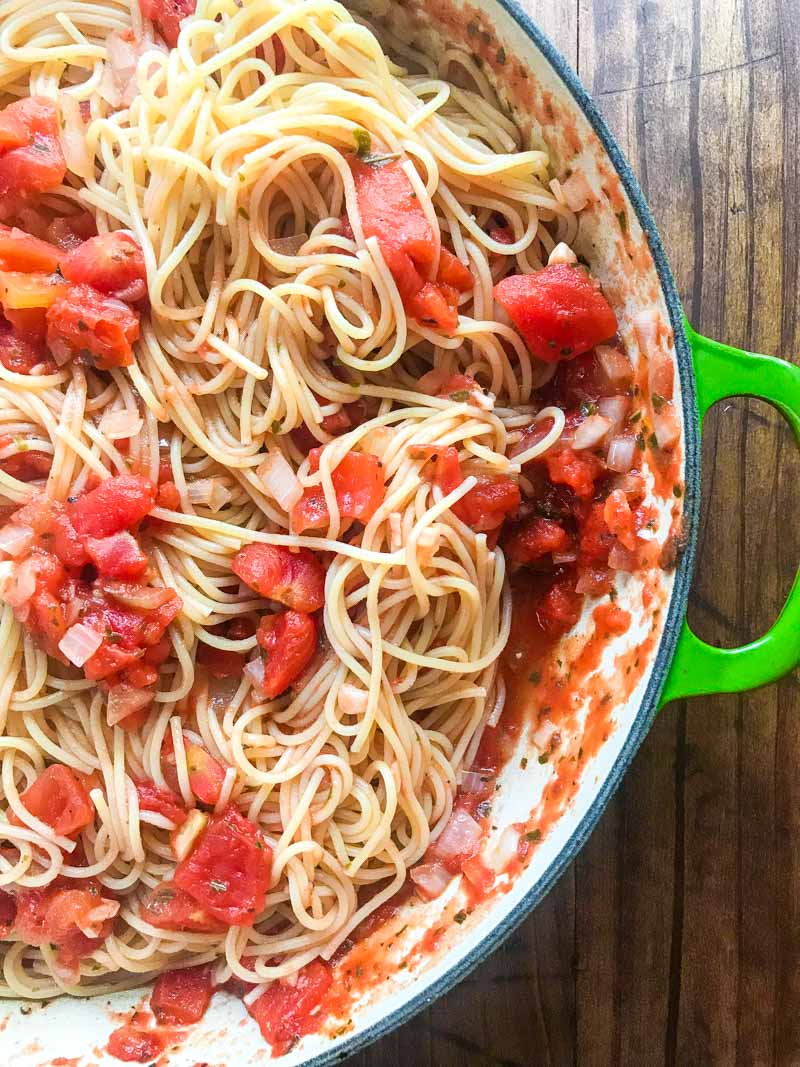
212 492
562 253
615 365
185 836
431 879
621 559
18 582
92 924
254 670
289 246
80 643
576 191
498 857
614 408
280 481
472 781
460 837
145 597
16 539
125 700
544 734
591 432
666 426
352 700
395 531
121 424
620 454
73 137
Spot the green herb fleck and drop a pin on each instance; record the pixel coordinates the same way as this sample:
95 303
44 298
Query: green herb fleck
566 351
545 756
634 416
460 396
676 490
640 441
113 637
501 56
534 677
523 763
652 440
584 262
277 426
588 408
658 402
613 594
244 214
534 835
460 917
363 143
21 444
622 219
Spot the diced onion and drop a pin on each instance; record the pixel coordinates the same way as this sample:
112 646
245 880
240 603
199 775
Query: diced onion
289 246
614 408
472 781
73 137
431 879
18 582
395 531
120 424
621 559
16 539
591 432
562 253
428 543
498 857
124 52
615 365
280 481
352 700
125 700
544 734
80 643
185 836
620 454
144 597
577 191
213 492
666 426
460 837
92 923
254 670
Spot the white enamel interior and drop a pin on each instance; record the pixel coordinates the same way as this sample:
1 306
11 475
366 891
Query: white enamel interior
227 1037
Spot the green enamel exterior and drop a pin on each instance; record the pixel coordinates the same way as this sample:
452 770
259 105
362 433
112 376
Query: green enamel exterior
698 668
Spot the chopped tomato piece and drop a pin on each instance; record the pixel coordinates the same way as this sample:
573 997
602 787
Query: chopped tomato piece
358 485
620 519
58 798
169 496
13 131
206 774
288 1011
117 556
560 311
167 15
483 508
538 537
137 1044
116 504
168 907
182 997
296 579
391 212
578 470
68 231
21 354
220 662
36 165
112 263
95 329
161 801
73 915
228 870
560 607
290 641
21 291
611 619
596 539
27 466
19 251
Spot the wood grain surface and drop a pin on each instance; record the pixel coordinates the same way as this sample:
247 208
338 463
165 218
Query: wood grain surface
675 936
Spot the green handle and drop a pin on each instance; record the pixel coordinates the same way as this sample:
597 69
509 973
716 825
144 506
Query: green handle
699 668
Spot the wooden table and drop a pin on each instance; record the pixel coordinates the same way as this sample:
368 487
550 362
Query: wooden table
675 936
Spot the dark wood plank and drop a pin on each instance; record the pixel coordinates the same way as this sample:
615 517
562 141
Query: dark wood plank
675 936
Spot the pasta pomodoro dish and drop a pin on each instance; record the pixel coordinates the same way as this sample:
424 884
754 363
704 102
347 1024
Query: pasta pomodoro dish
298 368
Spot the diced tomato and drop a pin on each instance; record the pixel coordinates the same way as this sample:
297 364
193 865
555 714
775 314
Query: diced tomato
560 607
169 496
391 212
129 631
620 519
19 251
59 799
20 354
61 914
161 801
206 774
27 466
538 537
168 907
290 641
28 323
480 877
95 329
68 231
116 504
610 619
20 291
167 15
501 234
182 997
287 1011
560 311
117 556
112 263
36 165
596 539
13 131
483 508
359 488
296 579
228 870
138 1044
578 470
220 662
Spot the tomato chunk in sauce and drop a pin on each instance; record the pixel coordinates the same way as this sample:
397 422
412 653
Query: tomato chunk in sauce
295 578
288 1011
289 641
167 16
358 484
31 158
60 799
181 997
